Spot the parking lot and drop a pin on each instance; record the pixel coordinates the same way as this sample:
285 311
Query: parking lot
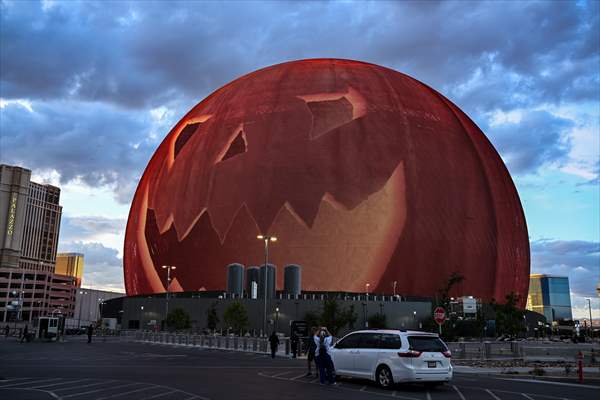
124 370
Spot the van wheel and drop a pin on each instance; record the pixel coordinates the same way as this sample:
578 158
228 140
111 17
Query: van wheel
384 377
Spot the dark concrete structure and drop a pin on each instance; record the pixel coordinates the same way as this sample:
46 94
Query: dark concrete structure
235 279
271 281
292 279
399 314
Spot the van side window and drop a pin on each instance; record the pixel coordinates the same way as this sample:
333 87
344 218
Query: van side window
370 340
349 342
390 341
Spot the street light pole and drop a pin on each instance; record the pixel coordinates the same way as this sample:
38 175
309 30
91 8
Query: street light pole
266 239
367 290
590 310
168 268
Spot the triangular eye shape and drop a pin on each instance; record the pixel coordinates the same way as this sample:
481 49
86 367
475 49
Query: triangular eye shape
185 135
238 146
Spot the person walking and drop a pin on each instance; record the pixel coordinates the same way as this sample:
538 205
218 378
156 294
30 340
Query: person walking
25 333
323 355
90 332
274 340
310 355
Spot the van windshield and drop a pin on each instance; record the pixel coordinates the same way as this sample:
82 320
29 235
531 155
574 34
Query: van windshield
426 343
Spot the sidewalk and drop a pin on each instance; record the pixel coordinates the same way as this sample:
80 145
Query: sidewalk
592 372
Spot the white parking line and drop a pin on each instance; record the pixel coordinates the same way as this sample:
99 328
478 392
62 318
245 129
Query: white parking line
60 383
99 390
528 397
156 396
459 393
88 385
31 382
281 373
125 393
15 379
551 383
362 389
296 377
428 395
492 394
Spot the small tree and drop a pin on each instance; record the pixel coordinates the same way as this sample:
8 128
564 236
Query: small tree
377 321
236 316
178 319
212 319
509 319
335 317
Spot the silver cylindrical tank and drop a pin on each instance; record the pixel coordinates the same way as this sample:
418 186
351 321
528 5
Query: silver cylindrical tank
271 281
252 276
292 279
235 278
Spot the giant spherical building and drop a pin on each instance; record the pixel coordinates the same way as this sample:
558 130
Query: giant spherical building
364 174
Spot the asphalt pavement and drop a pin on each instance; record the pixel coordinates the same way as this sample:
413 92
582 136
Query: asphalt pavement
142 371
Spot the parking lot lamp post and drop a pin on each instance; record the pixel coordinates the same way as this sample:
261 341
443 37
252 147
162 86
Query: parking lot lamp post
276 318
80 308
142 318
266 239
591 323
367 290
168 291
394 286
415 318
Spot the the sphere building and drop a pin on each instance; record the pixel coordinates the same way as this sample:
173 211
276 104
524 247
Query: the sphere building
364 174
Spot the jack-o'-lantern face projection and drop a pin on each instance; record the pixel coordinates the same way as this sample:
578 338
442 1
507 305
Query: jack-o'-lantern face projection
364 174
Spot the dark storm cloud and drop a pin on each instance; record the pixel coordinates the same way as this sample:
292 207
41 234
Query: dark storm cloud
93 142
537 139
141 53
102 265
579 260
94 69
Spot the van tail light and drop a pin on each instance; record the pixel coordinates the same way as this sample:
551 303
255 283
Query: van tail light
447 353
409 353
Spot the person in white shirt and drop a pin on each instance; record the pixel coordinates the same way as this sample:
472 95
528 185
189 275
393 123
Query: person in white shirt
323 355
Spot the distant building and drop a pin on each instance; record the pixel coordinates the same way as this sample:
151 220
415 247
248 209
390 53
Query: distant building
70 264
89 305
30 216
550 296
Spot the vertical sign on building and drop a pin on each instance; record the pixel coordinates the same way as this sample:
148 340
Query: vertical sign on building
12 214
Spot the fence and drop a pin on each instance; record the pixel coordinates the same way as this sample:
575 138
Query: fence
529 351
235 343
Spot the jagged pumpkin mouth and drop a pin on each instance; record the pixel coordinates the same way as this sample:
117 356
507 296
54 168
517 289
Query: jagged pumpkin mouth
370 232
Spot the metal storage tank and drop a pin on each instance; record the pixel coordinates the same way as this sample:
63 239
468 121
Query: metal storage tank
271 282
292 279
235 278
252 275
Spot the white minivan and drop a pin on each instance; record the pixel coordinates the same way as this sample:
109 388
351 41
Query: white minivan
393 356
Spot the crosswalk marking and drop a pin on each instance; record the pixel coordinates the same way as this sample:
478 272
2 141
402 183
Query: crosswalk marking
99 390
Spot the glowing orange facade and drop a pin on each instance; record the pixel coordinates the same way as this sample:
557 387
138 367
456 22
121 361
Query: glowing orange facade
364 174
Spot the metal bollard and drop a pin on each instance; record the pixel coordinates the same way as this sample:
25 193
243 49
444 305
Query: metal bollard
580 366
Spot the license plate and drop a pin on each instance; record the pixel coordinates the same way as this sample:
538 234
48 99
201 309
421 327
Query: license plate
431 364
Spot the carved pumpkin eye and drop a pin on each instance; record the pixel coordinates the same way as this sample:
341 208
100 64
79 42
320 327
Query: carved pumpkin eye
185 135
236 146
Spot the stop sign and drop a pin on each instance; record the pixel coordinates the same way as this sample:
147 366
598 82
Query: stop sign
439 315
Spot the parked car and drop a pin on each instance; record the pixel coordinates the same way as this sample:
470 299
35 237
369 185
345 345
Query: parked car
393 356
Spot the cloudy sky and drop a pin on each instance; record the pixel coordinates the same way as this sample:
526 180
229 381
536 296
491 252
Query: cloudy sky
88 90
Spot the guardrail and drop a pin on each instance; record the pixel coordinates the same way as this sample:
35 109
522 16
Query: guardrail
523 350
235 343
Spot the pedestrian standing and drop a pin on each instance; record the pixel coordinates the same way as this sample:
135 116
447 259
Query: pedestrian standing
274 340
323 355
90 331
294 344
310 355
25 333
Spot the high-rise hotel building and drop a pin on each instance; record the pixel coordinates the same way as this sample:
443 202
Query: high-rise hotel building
30 216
